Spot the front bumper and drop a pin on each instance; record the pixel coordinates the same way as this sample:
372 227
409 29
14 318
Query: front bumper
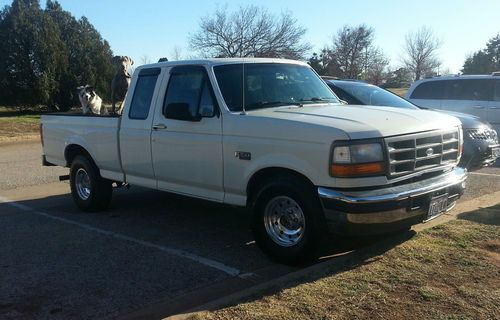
383 210
478 154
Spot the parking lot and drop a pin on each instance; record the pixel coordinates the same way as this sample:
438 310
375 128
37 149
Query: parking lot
150 251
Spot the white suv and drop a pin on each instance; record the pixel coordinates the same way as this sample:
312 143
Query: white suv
478 95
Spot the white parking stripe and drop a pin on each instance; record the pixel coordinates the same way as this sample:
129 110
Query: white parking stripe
485 174
181 253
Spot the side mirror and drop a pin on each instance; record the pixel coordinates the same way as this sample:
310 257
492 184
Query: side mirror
180 111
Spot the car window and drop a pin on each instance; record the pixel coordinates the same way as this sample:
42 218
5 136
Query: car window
470 89
143 94
497 90
190 85
372 95
428 90
270 84
344 95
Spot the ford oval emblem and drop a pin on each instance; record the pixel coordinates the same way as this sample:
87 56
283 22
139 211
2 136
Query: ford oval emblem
429 152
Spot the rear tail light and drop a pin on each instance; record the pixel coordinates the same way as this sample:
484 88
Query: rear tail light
41 133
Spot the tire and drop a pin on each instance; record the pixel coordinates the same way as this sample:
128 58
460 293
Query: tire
90 191
288 222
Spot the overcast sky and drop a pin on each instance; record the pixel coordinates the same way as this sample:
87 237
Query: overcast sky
153 28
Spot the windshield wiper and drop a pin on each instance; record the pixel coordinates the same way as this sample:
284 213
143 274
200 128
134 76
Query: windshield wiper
316 99
264 104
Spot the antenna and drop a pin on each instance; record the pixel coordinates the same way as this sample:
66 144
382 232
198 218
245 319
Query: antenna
243 112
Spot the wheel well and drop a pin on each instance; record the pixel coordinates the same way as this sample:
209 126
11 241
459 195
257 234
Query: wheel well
263 175
74 150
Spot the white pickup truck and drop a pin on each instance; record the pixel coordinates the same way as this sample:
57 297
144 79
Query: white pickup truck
268 134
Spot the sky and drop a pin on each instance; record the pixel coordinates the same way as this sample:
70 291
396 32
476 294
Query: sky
149 29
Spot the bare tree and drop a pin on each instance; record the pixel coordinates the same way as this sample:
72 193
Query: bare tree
176 53
350 46
376 65
250 31
420 52
354 55
145 59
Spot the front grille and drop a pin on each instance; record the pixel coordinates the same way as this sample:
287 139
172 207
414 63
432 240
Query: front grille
420 151
483 134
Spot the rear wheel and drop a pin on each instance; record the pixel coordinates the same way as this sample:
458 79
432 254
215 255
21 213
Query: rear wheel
90 191
288 220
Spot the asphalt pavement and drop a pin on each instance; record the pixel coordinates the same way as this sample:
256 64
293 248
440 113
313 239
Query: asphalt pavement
150 249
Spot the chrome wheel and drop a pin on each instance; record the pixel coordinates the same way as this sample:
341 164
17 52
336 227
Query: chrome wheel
284 221
82 184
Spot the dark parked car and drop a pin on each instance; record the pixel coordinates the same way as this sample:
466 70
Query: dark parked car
481 146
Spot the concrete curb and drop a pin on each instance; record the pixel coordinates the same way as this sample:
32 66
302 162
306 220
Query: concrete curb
467 206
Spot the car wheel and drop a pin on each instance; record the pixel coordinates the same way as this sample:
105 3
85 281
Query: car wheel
287 220
90 191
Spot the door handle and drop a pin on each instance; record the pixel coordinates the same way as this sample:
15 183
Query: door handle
478 107
494 107
159 126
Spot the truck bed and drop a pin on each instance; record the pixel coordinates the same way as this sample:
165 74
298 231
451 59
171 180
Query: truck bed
97 134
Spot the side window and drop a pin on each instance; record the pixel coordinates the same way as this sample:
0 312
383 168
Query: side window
191 86
428 90
497 90
471 89
143 93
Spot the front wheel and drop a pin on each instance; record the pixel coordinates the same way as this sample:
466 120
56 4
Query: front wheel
90 191
288 220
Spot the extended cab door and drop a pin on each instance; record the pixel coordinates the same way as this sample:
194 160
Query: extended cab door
135 128
187 136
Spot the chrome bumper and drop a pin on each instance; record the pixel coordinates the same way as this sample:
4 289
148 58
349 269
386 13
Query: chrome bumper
392 207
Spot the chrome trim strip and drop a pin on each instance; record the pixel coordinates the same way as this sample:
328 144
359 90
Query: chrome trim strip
452 178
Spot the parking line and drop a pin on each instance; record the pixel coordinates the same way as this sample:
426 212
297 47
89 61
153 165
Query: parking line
181 253
485 174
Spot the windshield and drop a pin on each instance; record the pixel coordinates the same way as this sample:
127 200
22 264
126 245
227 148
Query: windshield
373 95
270 85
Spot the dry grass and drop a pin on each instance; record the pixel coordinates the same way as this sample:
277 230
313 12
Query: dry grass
451 271
399 91
18 125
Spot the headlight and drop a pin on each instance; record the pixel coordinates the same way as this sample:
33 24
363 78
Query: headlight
357 160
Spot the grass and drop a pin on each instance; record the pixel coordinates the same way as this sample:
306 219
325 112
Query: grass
451 271
16 125
399 91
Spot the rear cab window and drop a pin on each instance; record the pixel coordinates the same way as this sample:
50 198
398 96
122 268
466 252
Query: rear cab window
143 93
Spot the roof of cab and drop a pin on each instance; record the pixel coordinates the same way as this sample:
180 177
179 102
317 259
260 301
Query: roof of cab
220 61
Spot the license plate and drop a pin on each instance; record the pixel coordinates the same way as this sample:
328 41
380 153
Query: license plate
437 206
495 152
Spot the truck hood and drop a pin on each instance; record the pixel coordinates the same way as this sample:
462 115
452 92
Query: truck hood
362 122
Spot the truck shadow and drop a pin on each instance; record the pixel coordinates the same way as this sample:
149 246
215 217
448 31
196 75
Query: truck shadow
489 215
214 231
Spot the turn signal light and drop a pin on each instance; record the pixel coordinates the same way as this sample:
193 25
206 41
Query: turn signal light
360 169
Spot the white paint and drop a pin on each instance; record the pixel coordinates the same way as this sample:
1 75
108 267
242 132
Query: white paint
176 252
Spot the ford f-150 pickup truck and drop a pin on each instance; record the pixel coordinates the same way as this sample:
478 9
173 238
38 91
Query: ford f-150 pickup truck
270 135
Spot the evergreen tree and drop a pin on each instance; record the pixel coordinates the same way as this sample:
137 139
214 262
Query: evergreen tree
32 55
484 61
46 54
